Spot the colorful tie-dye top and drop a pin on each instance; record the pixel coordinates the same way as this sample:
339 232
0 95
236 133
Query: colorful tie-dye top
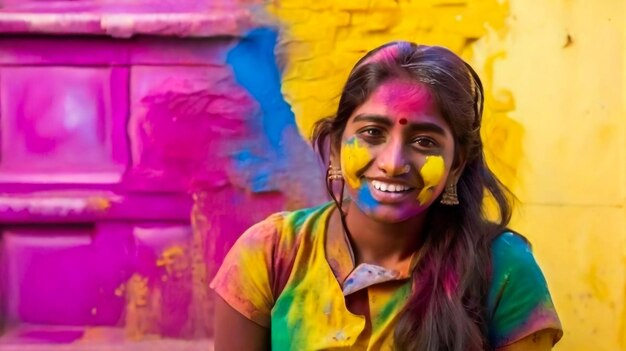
290 274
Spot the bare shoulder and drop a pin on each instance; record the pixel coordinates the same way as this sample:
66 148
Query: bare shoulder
230 325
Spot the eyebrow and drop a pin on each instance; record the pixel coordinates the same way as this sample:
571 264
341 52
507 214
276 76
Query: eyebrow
414 127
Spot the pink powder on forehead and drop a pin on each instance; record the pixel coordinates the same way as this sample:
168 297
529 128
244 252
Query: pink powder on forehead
403 97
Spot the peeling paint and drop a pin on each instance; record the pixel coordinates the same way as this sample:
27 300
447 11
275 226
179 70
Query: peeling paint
142 308
174 261
125 25
50 205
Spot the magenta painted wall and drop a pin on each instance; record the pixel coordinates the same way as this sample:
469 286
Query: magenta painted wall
134 149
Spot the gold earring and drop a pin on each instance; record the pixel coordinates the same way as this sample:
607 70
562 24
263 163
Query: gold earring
450 197
333 173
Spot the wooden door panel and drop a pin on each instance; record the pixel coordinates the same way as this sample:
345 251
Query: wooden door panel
47 265
97 275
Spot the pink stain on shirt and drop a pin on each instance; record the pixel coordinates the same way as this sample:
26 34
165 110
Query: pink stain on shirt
540 319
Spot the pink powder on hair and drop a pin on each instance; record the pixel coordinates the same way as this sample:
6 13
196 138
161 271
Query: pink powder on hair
450 282
385 55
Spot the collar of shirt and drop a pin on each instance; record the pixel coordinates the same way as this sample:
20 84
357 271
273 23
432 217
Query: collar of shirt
340 257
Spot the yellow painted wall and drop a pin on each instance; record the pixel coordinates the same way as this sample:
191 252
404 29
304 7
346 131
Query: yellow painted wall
554 128
570 100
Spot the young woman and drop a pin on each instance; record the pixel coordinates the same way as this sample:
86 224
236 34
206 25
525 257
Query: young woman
408 260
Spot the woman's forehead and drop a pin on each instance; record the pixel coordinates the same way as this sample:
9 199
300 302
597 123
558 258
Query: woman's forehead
401 100
401 89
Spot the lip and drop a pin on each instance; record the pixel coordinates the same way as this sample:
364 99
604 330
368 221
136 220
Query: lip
389 197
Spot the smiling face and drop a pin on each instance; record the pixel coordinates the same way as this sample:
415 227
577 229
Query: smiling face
397 152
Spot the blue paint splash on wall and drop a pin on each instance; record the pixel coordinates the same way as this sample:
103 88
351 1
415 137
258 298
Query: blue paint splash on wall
254 65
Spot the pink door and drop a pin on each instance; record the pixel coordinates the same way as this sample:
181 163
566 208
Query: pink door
96 239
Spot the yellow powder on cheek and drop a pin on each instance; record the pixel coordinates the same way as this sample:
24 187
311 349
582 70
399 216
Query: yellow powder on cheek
354 157
431 172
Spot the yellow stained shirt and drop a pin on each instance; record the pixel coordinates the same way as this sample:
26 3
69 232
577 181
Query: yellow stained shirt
291 274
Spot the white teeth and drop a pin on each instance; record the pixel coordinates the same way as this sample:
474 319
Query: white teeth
389 187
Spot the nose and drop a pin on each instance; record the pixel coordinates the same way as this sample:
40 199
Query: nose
391 159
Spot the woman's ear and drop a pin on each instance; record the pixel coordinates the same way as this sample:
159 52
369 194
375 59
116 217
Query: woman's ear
334 153
457 168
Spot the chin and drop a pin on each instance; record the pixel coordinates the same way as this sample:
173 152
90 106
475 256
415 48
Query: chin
384 214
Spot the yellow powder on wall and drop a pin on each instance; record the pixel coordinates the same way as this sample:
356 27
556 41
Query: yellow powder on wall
321 42
174 260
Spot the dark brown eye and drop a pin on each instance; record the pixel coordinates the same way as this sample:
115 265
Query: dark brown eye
425 143
372 132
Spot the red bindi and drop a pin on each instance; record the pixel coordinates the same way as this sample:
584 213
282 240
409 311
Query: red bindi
402 121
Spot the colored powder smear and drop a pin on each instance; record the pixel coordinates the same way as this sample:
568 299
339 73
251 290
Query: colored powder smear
354 157
518 294
365 198
254 66
431 172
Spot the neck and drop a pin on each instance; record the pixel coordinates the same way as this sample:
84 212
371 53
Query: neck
383 244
